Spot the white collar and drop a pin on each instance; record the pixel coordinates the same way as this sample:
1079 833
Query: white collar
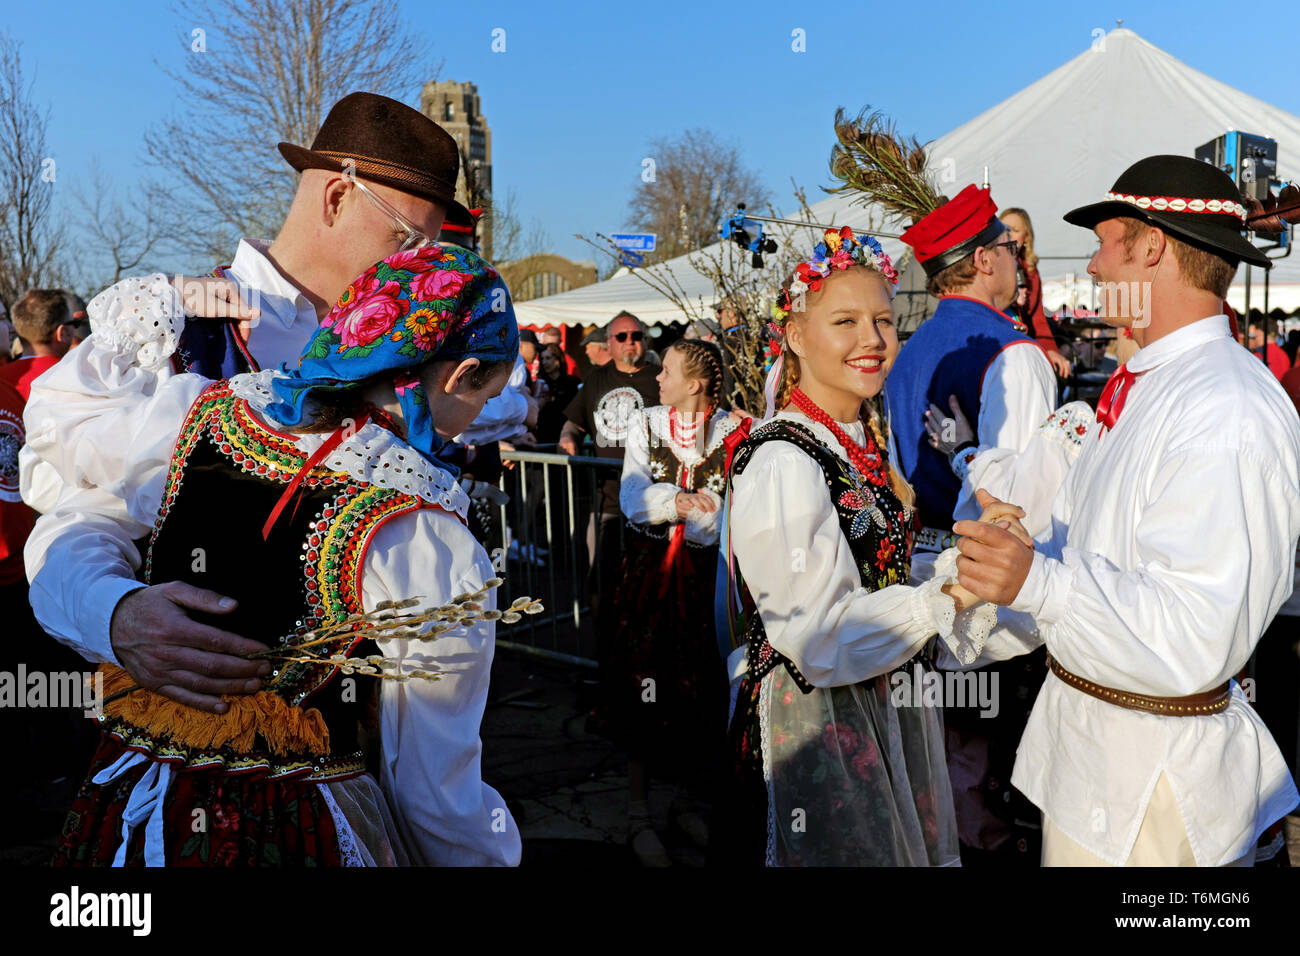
373 455
278 298
1179 341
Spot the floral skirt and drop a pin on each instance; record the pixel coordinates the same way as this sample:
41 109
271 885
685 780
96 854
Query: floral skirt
210 818
663 695
849 777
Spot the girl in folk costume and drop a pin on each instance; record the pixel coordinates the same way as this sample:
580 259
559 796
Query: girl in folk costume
310 496
664 699
835 764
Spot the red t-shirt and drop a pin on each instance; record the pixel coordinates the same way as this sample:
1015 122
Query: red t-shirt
16 519
1278 363
21 373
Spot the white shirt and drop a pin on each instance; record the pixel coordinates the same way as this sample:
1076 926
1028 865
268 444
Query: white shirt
1172 546
786 538
74 597
1017 392
430 770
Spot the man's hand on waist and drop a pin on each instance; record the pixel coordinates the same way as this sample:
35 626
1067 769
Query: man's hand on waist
170 654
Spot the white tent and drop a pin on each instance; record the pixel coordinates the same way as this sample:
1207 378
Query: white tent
1057 144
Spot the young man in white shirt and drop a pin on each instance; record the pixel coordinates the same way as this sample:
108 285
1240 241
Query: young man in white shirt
1172 546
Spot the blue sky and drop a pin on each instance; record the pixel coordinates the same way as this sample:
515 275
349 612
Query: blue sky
582 88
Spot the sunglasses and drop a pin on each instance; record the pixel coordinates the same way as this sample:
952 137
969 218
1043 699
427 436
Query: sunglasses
624 336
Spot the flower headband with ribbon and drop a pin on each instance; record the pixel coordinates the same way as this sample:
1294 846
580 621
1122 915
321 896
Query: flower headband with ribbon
434 302
839 249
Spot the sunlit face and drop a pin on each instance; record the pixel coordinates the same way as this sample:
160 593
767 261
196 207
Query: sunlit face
846 342
550 335
1017 228
455 411
1118 271
528 352
628 354
675 386
1005 267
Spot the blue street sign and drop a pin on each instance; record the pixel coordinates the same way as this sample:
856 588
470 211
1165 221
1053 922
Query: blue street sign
633 259
635 241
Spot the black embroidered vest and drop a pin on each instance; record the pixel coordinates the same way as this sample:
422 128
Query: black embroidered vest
878 528
227 473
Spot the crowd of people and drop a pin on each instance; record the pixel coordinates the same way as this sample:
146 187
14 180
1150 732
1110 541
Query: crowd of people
229 496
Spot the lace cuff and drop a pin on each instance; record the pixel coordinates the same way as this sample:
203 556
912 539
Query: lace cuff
971 627
140 319
931 606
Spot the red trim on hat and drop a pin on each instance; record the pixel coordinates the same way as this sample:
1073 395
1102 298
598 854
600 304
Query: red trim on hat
962 217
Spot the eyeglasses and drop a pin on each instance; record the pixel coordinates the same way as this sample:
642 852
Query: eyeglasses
1010 244
415 239
623 336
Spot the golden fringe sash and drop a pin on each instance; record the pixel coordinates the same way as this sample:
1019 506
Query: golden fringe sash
285 728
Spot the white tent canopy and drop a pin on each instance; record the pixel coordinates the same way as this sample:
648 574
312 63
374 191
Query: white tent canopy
1057 144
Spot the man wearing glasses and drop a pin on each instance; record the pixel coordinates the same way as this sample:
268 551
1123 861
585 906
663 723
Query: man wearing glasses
379 177
973 354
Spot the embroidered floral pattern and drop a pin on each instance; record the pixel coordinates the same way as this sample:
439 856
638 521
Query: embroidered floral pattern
1069 424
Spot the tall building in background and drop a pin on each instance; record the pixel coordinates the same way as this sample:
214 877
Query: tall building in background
455 107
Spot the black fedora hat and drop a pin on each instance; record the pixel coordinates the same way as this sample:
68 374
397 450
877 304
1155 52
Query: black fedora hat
1191 199
386 142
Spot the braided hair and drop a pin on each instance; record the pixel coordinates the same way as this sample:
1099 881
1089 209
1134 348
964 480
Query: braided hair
703 360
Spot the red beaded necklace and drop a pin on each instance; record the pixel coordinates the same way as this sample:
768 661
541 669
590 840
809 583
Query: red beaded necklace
866 459
686 436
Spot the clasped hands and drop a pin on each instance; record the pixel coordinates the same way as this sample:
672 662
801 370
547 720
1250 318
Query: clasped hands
996 553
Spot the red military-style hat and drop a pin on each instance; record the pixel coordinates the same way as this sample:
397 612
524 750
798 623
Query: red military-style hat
954 230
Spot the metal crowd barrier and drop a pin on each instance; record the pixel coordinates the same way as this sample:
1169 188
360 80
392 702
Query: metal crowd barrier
542 548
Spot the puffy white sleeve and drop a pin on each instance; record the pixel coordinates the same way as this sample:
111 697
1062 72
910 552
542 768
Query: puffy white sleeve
1017 393
432 756
642 499
786 538
1180 619
106 425
1032 477
38 481
79 407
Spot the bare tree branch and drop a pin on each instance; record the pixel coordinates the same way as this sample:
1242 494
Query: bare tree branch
258 72
695 181
129 235
30 239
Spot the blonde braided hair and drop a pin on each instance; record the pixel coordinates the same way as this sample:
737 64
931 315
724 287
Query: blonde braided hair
703 360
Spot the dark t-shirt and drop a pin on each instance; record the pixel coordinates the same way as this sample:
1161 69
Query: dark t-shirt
605 407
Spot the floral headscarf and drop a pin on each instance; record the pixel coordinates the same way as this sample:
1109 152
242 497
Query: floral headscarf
435 302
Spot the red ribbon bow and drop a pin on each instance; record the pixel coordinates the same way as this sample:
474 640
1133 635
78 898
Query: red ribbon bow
1113 396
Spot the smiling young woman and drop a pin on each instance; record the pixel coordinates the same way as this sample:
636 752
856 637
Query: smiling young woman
825 628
